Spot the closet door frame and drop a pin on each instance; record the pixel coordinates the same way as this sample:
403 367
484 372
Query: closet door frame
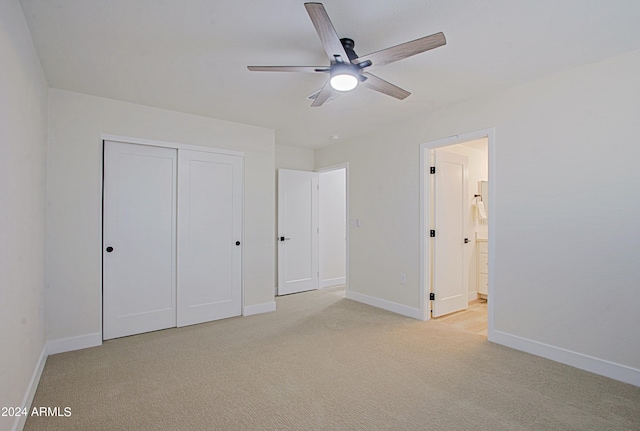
178 146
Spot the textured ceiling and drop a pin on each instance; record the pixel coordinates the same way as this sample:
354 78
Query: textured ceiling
191 55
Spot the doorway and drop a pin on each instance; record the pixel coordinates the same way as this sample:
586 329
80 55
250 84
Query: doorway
470 240
332 222
312 229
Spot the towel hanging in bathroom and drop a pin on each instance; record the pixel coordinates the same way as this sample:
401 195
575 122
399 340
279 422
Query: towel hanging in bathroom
480 210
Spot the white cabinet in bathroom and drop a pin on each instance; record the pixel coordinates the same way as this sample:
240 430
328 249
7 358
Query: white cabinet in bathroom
482 264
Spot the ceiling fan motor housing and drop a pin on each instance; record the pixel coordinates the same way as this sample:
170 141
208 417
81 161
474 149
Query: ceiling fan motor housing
348 45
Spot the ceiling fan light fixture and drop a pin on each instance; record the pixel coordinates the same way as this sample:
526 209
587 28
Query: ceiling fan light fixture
346 68
344 82
343 78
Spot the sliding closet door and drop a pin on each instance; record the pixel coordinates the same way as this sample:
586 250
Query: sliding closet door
139 239
209 236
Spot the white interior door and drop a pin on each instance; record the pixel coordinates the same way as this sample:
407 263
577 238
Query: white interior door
449 246
209 236
297 231
139 239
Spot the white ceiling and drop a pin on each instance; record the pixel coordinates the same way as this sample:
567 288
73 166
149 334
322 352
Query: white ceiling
191 55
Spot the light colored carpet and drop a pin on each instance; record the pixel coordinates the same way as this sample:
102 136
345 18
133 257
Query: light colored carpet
322 362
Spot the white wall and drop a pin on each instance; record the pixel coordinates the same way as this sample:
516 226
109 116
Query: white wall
299 159
566 252
333 228
23 149
74 229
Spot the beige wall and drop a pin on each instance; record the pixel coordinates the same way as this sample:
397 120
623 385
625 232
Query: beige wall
75 199
23 149
300 159
567 216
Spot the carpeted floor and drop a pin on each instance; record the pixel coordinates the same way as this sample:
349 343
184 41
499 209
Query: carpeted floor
322 362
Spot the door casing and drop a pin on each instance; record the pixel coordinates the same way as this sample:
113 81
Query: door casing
426 209
340 166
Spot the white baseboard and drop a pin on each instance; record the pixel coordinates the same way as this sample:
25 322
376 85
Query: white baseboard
18 423
384 304
74 343
267 307
329 282
473 296
568 357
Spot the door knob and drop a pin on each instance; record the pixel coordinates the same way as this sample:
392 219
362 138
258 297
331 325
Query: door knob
109 249
237 242
284 239
466 240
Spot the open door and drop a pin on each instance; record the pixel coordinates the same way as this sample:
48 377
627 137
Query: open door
450 202
297 231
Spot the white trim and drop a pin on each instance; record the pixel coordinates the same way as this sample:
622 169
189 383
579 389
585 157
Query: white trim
74 343
425 309
425 304
578 360
142 141
473 295
19 421
394 307
333 167
329 282
266 307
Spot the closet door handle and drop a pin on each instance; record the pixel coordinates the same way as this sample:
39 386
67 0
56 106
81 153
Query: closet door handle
237 242
109 249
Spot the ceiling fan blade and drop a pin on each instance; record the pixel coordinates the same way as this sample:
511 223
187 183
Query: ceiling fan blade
382 86
324 27
323 95
404 50
307 69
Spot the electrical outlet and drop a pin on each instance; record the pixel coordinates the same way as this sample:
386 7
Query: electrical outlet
403 278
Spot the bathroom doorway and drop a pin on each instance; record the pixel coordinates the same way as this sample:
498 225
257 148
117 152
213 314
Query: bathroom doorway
457 294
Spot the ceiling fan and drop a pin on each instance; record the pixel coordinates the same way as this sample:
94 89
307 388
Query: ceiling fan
346 69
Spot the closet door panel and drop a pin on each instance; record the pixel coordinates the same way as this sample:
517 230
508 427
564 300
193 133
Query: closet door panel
209 225
139 236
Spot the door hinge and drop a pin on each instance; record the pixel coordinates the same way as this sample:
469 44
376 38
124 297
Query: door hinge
432 296
433 170
432 233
